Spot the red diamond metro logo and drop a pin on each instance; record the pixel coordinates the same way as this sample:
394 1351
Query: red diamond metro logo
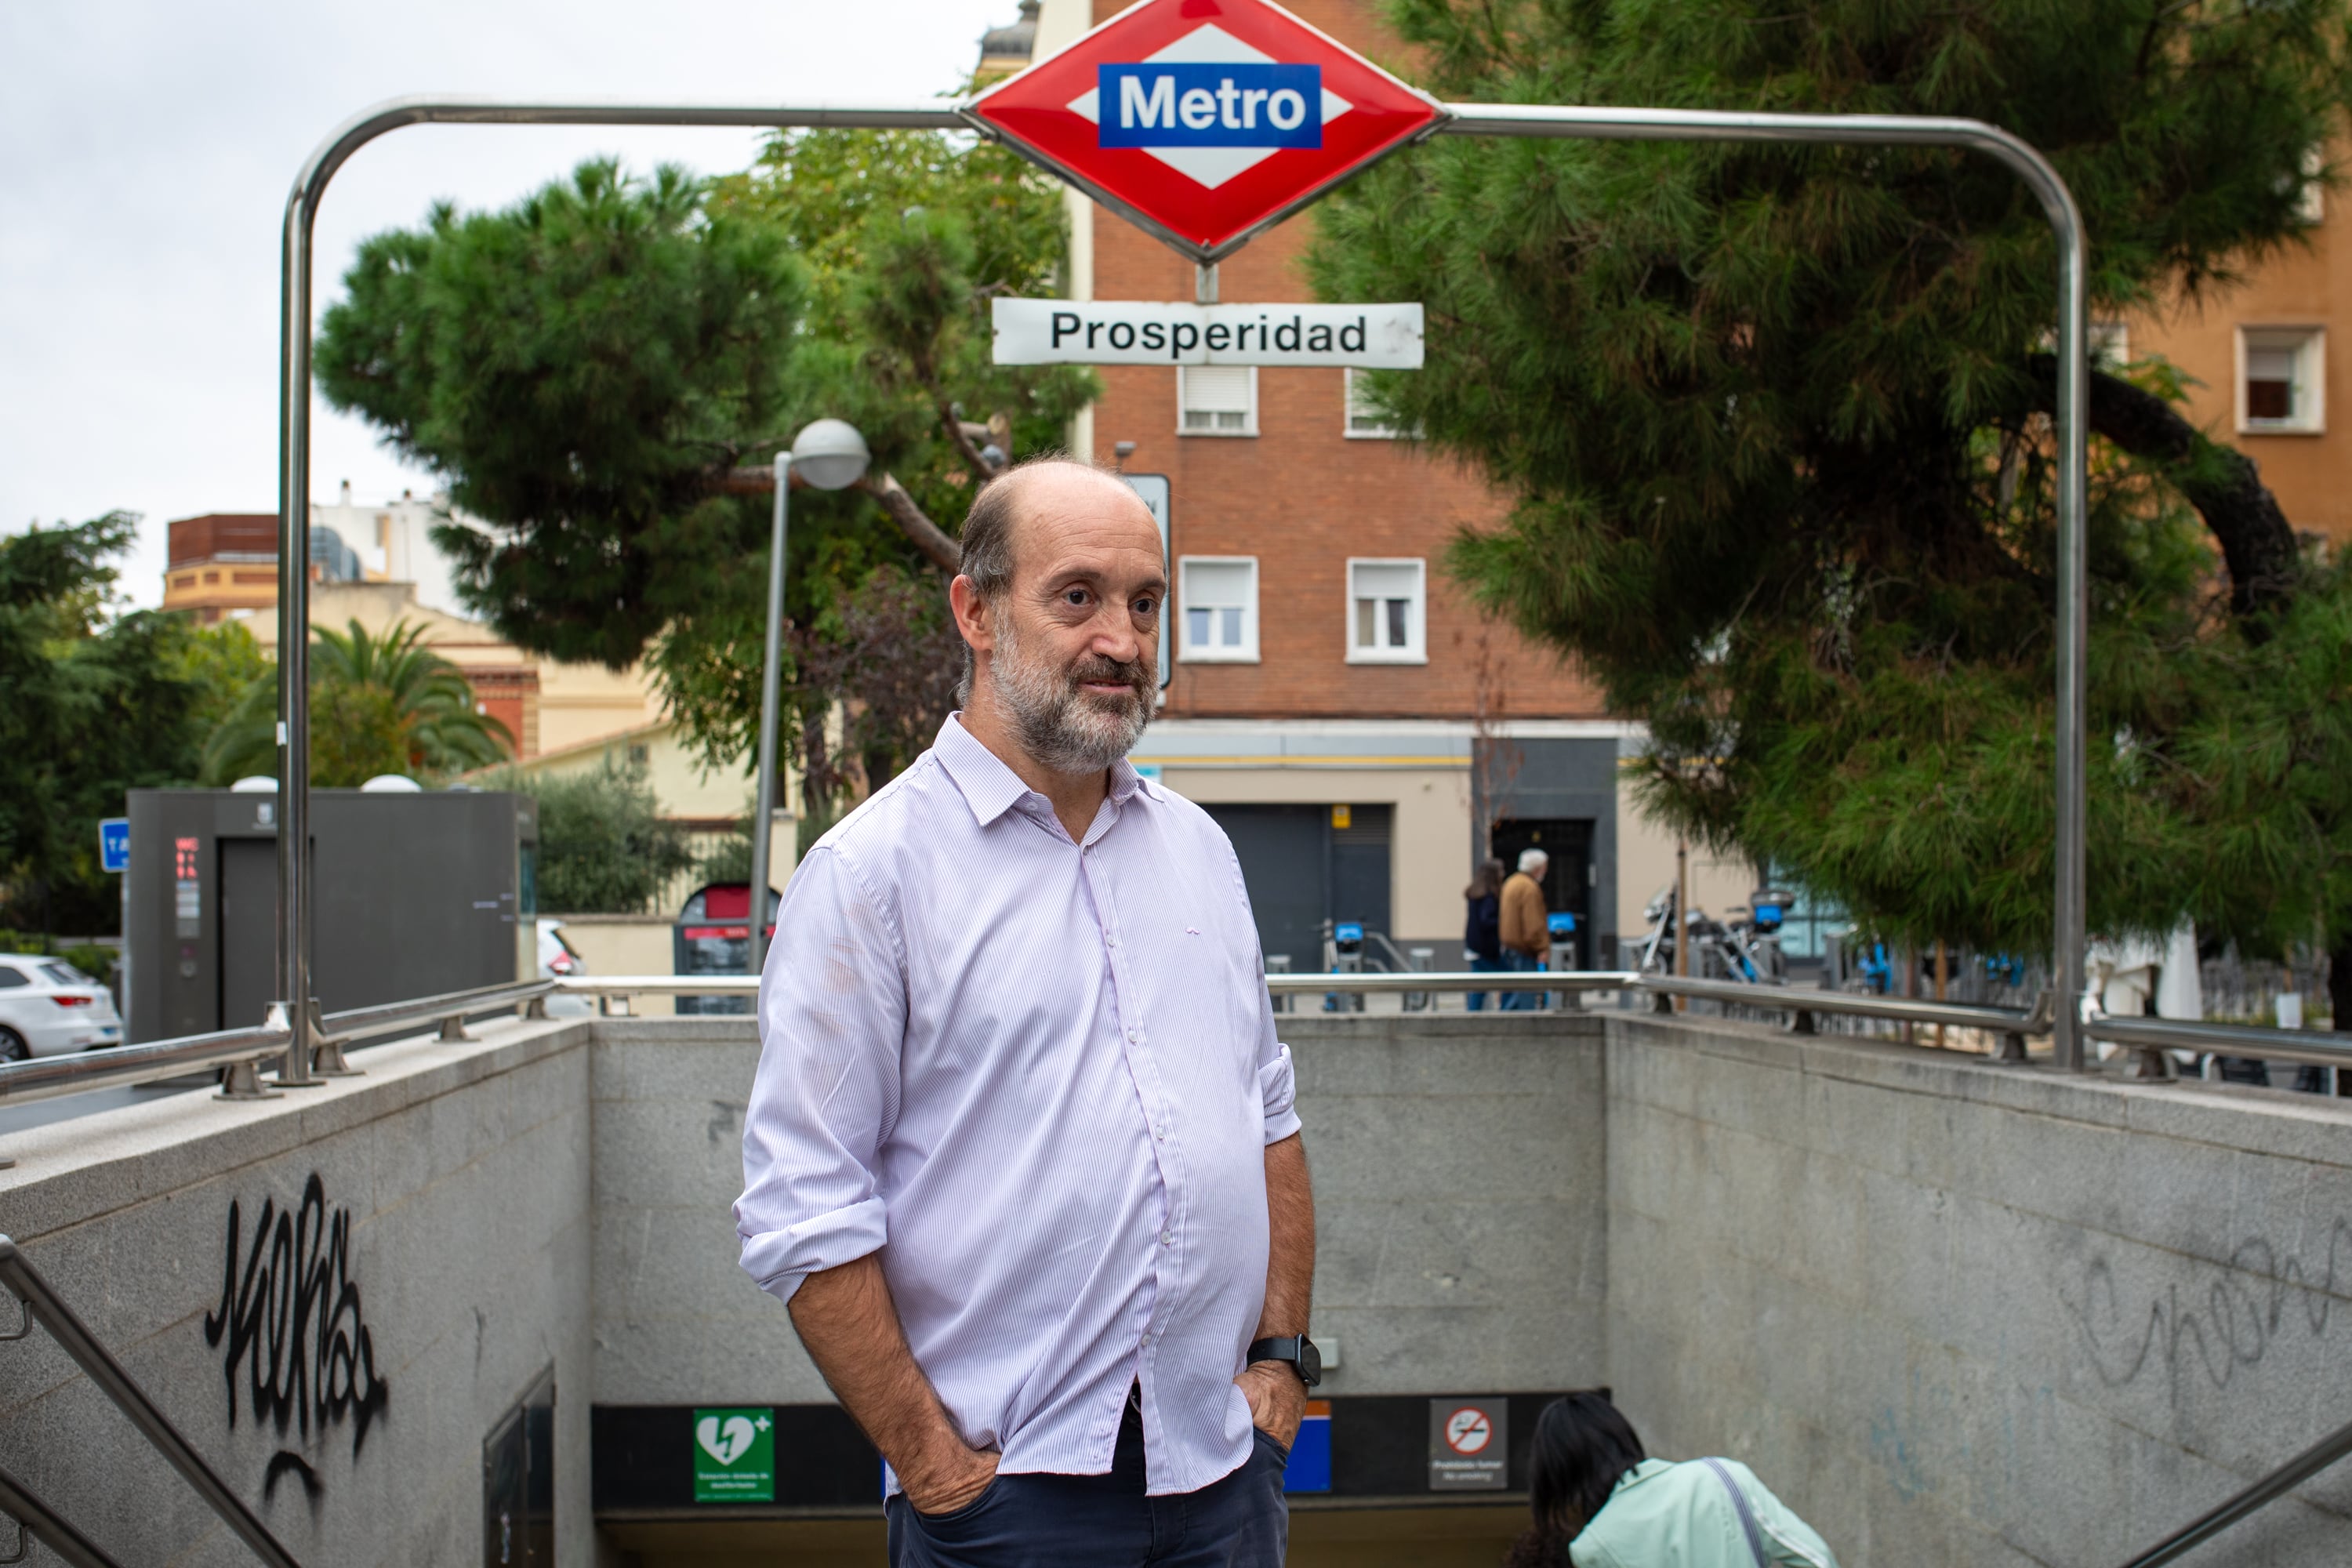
1205 121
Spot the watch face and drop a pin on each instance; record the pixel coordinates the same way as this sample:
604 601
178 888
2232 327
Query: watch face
1310 1362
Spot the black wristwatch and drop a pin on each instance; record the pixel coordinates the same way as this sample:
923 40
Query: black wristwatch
1298 1351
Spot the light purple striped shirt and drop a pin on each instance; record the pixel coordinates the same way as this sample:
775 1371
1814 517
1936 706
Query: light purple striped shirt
1040 1078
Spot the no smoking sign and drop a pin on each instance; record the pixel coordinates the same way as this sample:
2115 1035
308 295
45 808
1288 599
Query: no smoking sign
1469 1445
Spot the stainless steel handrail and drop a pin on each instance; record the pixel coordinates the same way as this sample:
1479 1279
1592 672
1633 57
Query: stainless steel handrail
1854 1004
46 1077
2229 1039
73 1336
393 1017
1575 980
2270 1488
1569 980
36 1520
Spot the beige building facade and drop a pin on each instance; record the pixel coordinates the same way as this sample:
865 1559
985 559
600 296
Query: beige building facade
547 705
2265 372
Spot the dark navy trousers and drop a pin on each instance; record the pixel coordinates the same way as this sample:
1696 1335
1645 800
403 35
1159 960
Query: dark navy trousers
1082 1521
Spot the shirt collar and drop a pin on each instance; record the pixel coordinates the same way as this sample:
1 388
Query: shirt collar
991 788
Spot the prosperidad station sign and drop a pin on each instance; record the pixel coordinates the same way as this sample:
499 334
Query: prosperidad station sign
1100 332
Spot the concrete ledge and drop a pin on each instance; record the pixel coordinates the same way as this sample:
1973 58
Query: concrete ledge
73 1171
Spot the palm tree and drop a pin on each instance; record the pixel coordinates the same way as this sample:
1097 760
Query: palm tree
378 705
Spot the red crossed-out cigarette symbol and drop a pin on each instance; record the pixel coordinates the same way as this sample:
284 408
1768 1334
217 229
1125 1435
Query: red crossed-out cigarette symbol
1467 1430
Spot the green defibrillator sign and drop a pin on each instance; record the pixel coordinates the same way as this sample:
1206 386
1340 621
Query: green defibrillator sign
735 1456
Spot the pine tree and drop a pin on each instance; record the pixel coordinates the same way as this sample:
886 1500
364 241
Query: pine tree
604 371
1777 425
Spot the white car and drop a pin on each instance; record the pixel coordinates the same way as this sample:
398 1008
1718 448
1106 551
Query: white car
558 960
48 1007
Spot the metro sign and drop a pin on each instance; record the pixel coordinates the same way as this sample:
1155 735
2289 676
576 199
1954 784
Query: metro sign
1205 121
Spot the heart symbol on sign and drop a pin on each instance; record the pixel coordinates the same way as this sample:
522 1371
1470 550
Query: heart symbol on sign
725 1444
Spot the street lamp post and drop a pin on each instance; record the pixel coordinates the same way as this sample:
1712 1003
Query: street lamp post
830 455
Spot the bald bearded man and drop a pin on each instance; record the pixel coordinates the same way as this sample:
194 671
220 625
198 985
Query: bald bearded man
1021 1154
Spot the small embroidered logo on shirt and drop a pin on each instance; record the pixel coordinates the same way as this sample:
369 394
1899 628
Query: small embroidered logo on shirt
1192 931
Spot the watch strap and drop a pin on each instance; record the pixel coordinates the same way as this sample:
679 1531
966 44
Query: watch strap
1298 1350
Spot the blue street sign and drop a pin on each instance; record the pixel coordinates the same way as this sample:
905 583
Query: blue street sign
115 844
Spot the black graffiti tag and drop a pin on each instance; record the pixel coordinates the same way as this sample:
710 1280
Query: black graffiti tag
292 1319
2242 1312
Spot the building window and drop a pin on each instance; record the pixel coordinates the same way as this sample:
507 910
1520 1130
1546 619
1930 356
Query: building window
1365 420
1219 595
2110 346
2280 380
1216 400
1386 610
2311 197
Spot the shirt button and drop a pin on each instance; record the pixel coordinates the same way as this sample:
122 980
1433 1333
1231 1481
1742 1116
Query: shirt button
1110 940
1133 1035
1167 1238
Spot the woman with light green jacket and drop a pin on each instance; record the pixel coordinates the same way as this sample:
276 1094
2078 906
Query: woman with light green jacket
1601 1501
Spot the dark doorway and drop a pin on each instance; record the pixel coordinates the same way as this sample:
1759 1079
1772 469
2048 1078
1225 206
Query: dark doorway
247 932
1359 865
1281 851
1568 880
1302 869
519 1482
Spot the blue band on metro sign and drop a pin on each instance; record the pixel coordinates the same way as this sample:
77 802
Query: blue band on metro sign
1204 120
1236 105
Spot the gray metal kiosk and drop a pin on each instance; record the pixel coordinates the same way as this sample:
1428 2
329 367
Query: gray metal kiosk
415 894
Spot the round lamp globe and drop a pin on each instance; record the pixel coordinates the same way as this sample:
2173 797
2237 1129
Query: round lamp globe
830 454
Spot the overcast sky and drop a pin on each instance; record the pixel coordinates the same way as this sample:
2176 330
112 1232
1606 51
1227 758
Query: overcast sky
146 148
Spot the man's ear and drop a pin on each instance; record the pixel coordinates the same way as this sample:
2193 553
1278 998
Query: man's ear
970 614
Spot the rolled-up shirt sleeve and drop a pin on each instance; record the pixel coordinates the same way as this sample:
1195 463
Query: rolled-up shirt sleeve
832 1015
1277 1086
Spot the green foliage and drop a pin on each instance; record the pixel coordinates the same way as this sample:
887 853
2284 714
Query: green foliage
378 705
95 706
604 845
730 859
1782 470
98 963
576 366
907 235
587 367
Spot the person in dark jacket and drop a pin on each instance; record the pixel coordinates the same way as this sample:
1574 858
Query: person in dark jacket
1482 936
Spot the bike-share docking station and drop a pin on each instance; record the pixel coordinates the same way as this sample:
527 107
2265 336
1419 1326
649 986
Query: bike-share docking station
1203 123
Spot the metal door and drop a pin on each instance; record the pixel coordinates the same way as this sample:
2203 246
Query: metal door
518 1483
1281 850
247 930
1359 868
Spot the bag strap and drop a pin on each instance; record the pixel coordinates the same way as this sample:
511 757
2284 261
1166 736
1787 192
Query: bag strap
1746 1519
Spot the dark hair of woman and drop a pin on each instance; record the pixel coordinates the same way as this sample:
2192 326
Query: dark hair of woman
1583 1447
1488 882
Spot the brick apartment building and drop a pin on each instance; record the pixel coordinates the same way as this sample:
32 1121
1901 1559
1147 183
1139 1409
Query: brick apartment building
1359 729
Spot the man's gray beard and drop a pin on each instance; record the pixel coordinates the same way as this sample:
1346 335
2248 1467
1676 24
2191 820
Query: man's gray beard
1062 727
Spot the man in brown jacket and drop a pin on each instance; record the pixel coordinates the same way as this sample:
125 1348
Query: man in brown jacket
1525 932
